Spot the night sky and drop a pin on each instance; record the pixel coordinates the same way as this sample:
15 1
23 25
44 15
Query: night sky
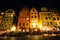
18 4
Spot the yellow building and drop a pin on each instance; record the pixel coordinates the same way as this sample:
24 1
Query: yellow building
33 18
48 19
8 19
56 19
45 18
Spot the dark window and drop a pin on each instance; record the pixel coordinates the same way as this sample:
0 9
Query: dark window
35 13
51 23
10 19
31 16
4 19
23 24
46 18
57 18
35 16
27 24
31 13
54 18
49 17
27 14
9 11
9 24
33 10
48 14
19 24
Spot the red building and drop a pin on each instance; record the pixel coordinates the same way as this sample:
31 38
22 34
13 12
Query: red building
23 18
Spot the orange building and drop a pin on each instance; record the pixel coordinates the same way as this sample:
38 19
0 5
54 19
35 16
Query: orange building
23 18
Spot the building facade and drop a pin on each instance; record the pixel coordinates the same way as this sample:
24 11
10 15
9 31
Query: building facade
8 19
23 19
33 19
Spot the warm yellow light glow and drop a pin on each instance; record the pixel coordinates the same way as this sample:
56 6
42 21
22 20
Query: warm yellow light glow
34 25
13 28
2 13
11 15
41 27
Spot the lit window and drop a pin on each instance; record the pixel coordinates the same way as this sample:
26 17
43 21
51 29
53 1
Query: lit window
11 15
27 18
48 14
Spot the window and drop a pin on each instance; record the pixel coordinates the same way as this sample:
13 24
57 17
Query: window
35 13
31 13
31 16
35 16
27 24
46 18
0 18
48 14
54 18
57 18
23 24
27 14
19 24
49 17
27 18
11 15
51 23
9 11
4 19
33 10
7 19
5 25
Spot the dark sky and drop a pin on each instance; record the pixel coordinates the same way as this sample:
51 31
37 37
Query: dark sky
18 4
